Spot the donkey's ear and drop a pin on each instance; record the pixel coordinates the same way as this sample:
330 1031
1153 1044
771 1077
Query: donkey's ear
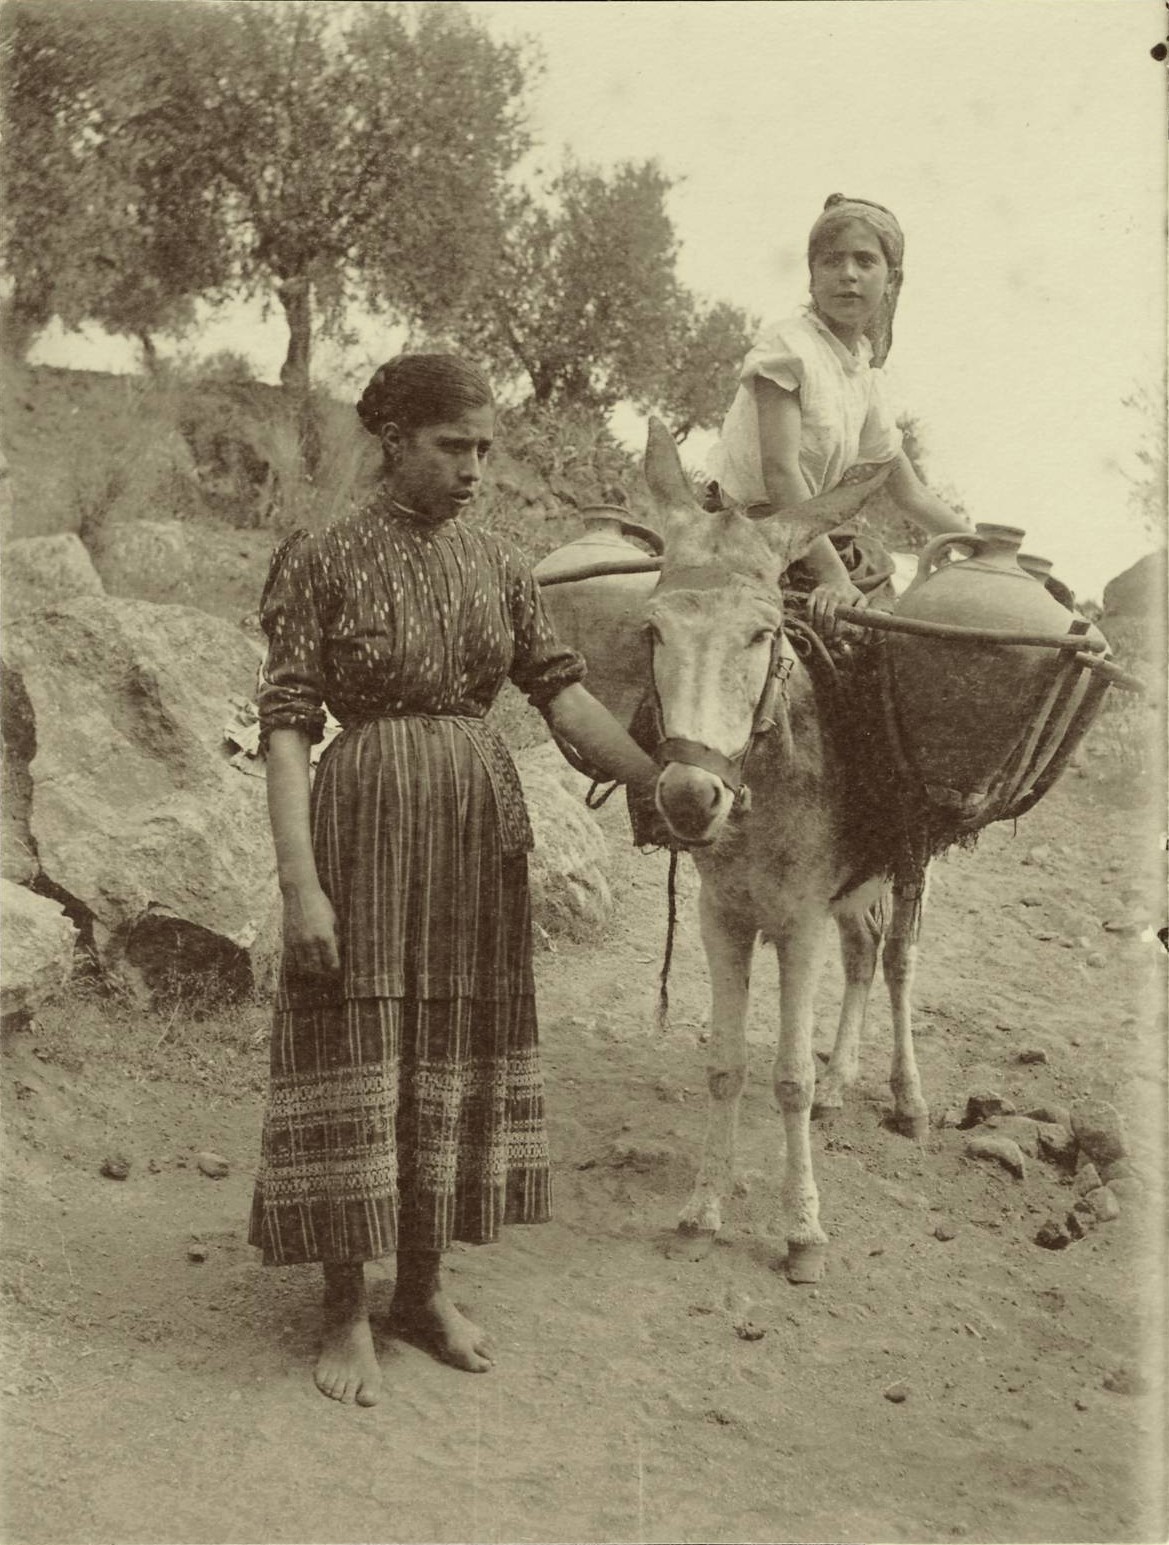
663 472
789 533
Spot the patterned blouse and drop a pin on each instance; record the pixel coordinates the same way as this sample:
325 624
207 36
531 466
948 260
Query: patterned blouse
381 616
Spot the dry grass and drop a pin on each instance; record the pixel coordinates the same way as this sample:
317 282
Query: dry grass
187 1036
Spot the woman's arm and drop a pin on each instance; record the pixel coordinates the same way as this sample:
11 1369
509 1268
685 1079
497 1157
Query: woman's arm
780 427
924 508
588 725
780 421
310 930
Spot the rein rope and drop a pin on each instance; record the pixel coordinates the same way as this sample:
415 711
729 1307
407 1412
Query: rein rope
662 1016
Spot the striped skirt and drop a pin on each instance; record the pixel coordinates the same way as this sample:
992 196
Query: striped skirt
410 1115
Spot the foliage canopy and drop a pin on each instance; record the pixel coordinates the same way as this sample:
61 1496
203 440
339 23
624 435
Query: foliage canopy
318 153
330 155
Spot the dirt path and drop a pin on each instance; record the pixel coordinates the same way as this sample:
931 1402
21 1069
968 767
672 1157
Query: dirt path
149 1397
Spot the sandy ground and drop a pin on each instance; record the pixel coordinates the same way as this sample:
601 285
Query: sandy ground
151 1397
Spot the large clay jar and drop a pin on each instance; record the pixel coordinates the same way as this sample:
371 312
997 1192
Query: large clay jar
603 616
977 718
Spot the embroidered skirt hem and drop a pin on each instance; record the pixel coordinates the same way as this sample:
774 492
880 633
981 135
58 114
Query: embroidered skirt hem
399 1123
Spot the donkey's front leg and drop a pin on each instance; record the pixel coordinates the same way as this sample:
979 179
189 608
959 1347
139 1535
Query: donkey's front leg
729 944
910 1112
800 951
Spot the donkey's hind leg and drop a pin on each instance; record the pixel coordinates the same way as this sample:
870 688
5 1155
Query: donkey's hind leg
910 1112
860 943
729 946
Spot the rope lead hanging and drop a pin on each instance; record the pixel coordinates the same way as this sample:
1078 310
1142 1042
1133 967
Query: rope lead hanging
662 1016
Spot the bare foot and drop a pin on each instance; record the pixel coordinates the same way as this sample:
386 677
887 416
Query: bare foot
347 1368
438 1324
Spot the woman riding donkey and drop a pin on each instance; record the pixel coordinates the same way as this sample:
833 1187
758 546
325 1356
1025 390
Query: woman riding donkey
812 403
406 1104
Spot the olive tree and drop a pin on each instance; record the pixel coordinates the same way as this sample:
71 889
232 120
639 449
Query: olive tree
313 153
582 297
109 216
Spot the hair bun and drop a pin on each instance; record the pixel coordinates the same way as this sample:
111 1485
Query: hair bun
411 390
368 407
834 198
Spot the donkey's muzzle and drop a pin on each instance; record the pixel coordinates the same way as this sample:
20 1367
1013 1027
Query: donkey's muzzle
692 801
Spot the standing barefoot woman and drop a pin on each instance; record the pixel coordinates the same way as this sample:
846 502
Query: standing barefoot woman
406 1105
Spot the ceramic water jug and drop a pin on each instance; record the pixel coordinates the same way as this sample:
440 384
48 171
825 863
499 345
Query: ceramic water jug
603 616
972 713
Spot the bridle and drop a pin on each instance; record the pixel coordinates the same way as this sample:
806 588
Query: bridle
770 712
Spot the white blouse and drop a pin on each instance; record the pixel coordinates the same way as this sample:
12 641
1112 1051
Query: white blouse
847 416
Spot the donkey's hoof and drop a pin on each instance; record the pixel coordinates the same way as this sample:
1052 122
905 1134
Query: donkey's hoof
916 1128
690 1243
805 1263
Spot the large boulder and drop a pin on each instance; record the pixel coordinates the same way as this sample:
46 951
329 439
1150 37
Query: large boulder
1134 614
42 571
136 813
5 499
206 563
178 561
568 869
18 861
136 558
38 944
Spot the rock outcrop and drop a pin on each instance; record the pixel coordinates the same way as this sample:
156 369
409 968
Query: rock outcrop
38 945
42 571
158 846
17 747
1134 615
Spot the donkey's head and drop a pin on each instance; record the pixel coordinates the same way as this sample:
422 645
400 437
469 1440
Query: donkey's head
720 660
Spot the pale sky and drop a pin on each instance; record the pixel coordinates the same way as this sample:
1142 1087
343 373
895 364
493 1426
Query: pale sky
1019 142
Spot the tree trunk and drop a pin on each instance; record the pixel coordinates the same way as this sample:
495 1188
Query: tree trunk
18 327
149 353
296 298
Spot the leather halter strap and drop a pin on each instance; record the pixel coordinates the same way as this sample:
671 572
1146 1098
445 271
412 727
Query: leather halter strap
692 753
731 770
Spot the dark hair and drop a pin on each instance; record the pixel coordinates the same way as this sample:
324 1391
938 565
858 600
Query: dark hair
413 390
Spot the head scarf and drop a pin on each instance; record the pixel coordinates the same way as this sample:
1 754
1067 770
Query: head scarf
413 390
838 210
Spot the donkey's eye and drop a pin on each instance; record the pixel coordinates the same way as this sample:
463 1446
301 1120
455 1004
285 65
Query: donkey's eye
764 636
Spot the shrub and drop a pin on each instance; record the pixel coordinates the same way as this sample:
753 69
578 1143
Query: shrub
138 467
246 441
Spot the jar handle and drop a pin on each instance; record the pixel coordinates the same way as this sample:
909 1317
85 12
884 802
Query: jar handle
927 559
653 539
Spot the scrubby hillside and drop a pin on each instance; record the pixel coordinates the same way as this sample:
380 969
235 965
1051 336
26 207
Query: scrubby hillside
218 451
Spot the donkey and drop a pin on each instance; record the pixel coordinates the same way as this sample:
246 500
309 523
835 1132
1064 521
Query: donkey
779 862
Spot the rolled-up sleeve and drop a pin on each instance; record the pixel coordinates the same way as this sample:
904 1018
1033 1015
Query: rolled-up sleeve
291 689
777 357
541 666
